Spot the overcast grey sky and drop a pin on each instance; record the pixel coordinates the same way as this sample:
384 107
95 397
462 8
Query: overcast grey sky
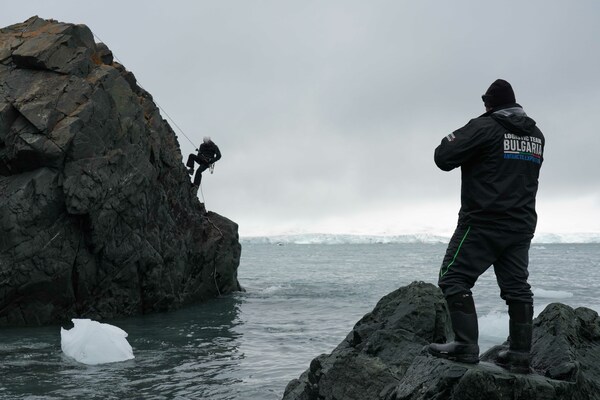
327 112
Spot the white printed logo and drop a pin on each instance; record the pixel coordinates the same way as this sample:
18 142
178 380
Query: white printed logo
527 148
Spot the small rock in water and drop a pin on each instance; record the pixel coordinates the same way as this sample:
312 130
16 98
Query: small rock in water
91 342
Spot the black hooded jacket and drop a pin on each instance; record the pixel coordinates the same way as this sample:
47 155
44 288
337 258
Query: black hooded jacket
209 152
500 154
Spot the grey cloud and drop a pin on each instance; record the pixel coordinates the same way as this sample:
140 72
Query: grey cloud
334 108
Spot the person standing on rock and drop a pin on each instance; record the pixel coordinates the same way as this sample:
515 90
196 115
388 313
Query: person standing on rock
500 154
208 154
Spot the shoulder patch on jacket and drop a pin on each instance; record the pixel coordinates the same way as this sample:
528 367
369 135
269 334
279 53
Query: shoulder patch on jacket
451 137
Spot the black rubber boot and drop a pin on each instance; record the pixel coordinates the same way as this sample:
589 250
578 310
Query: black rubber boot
516 357
464 348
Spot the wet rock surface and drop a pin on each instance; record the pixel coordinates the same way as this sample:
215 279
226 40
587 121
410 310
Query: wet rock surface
383 357
97 215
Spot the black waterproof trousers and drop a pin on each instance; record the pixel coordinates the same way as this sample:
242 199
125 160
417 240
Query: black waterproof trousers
202 166
473 249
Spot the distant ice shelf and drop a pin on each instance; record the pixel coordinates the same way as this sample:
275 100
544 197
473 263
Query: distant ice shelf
327 238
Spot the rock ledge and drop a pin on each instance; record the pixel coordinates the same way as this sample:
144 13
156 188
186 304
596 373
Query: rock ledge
383 357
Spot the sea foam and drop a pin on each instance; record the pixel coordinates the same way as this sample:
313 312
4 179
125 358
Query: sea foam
493 329
552 294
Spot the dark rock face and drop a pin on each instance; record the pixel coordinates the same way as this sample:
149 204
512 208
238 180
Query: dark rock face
97 216
383 357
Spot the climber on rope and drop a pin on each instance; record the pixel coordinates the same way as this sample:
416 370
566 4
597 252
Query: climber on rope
208 154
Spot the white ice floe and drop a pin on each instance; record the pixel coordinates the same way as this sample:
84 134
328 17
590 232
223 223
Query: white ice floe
91 342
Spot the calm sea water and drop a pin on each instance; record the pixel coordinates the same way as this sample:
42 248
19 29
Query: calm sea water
301 301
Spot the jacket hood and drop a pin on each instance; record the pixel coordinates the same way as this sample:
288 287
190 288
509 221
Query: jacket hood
514 119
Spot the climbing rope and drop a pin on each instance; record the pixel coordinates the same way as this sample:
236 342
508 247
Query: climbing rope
212 166
202 193
162 110
217 252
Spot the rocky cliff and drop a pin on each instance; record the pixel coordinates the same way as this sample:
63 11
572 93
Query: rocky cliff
383 357
97 215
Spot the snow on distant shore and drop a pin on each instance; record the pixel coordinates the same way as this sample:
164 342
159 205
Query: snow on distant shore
567 238
325 238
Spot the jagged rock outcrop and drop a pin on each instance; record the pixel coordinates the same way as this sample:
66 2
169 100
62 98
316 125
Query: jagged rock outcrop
383 357
97 215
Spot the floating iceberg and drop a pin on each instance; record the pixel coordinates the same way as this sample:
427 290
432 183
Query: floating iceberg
91 342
